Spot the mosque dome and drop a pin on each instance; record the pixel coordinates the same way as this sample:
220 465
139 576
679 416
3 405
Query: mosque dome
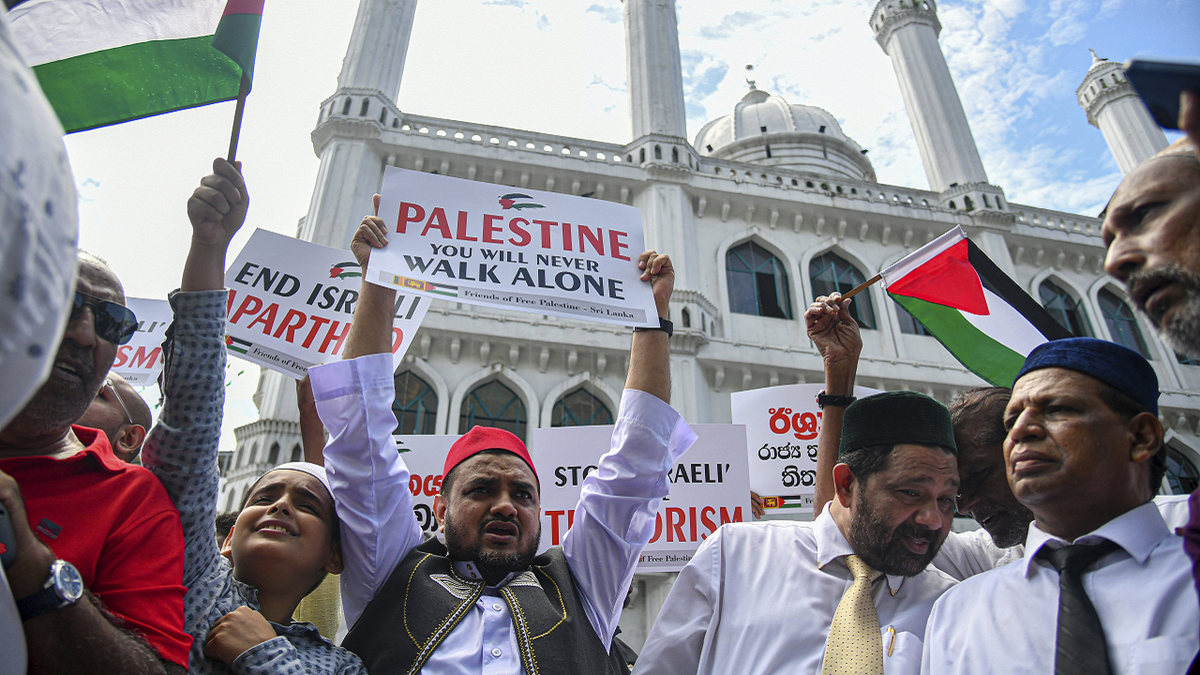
765 129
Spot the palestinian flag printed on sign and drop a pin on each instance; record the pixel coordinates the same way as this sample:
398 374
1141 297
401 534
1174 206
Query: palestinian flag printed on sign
975 310
103 62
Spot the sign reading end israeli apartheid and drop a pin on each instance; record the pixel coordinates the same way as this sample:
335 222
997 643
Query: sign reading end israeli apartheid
782 425
291 302
140 360
512 248
709 487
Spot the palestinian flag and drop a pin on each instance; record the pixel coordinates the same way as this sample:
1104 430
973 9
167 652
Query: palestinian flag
103 62
975 310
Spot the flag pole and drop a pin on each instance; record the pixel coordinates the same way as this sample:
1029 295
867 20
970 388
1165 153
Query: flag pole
863 286
243 90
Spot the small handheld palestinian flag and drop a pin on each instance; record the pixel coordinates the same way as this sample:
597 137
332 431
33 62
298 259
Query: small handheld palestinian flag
975 310
103 62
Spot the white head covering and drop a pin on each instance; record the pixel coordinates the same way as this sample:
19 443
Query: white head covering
315 470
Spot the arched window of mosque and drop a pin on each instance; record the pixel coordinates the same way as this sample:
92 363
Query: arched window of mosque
493 405
383 116
579 408
953 207
758 282
1121 322
248 457
1065 309
686 318
999 204
968 204
808 183
908 323
986 204
415 405
658 152
1182 475
346 107
642 156
829 273
273 455
675 155
366 105
297 453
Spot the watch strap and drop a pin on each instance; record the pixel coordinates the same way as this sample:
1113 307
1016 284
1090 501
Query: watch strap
824 399
50 596
663 324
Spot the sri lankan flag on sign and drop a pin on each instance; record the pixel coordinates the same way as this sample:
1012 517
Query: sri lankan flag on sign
103 62
981 315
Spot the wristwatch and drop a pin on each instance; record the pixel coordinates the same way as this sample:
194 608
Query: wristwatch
63 588
824 399
663 325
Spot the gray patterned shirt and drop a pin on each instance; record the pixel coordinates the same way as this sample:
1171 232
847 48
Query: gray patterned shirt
182 451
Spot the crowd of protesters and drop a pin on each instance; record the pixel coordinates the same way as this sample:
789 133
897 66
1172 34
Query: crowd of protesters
118 561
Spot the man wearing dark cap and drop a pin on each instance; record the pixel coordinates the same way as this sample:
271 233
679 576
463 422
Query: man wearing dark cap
1105 587
847 593
477 598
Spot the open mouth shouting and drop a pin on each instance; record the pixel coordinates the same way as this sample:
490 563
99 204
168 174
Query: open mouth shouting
501 532
276 528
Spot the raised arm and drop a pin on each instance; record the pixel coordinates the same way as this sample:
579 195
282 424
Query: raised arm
312 432
617 504
354 400
836 336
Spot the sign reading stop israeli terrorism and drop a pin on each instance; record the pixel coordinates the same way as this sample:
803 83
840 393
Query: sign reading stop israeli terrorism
782 424
526 250
709 487
291 302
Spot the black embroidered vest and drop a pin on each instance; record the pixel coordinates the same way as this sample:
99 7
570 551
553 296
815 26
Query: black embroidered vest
425 598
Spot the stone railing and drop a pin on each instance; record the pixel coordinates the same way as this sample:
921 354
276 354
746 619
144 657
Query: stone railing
1056 220
511 139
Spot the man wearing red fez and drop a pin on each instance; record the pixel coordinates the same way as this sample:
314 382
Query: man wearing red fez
477 597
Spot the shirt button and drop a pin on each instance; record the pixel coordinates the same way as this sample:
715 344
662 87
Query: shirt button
497 606
496 652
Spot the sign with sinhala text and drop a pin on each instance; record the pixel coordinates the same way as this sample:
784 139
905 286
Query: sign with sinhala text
291 302
140 360
782 424
709 487
425 456
512 248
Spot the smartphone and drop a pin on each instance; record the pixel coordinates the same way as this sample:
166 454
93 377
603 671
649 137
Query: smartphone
1159 84
8 541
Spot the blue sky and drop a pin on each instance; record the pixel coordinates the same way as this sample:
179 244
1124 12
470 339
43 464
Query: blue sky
558 66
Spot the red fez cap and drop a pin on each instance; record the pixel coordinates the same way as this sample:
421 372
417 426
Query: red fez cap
479 439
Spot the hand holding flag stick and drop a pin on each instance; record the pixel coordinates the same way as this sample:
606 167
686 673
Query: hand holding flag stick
863 286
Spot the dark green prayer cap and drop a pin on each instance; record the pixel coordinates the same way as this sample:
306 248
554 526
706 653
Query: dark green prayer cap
896 417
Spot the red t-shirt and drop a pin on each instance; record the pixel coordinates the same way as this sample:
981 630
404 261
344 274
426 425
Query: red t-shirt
116 524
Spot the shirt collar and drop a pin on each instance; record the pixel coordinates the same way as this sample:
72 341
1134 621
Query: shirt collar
832 544
96 445
1137 531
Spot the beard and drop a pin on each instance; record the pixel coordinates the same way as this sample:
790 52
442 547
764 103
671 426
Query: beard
58 403
883 548
491 564
1182 331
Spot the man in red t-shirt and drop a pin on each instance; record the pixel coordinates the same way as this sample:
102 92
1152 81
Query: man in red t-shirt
88 520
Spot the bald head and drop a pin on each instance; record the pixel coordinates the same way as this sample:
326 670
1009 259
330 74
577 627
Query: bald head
122 414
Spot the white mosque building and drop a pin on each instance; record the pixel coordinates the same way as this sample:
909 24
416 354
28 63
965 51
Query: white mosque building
766 208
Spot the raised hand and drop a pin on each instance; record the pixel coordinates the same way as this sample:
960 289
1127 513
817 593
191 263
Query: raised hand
658 270
832 329
371 233
217 208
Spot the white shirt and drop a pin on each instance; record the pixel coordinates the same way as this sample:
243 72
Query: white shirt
758 599
613 522
965 554
1005 621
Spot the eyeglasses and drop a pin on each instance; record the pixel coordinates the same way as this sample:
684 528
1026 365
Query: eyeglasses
117 395
114 323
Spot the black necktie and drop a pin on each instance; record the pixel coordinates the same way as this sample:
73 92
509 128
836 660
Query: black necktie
1080 647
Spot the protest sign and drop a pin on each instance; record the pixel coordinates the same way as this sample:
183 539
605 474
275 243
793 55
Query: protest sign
782 424
425 456
140 360
291 302
709 487
527 250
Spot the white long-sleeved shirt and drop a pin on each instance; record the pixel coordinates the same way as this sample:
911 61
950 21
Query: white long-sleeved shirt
613 521
1005 621
965 554
758 599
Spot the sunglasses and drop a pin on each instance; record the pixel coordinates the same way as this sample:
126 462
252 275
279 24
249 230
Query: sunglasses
115 323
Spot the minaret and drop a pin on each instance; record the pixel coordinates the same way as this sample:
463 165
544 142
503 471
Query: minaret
364 104
660 147
1114 107
346 139
908 31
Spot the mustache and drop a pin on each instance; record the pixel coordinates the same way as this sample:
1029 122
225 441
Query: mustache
1161 275
511 520
82 356
915 531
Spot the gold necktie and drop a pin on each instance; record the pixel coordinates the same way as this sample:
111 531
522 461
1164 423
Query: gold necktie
855 646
